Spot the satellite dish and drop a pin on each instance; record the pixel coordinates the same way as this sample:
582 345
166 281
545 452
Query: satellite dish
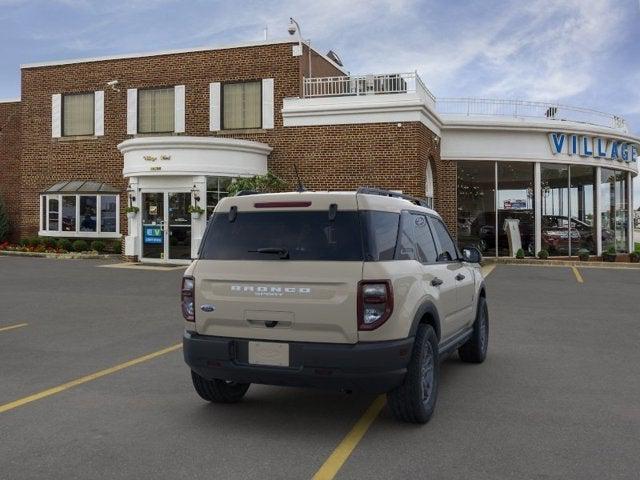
334 56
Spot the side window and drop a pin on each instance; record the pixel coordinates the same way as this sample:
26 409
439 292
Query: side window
406 249
446 250
424 240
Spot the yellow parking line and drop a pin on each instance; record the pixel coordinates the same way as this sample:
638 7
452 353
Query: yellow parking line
94 376
332 465
487 269
11 327
576 272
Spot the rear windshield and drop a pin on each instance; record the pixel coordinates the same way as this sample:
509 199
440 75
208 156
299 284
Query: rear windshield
308 235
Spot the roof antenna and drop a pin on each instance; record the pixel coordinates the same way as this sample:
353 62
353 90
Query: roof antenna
300 184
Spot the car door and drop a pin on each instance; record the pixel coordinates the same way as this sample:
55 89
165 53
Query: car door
438 280
462 275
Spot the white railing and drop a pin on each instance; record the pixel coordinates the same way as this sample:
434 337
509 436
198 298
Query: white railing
527 109
376 84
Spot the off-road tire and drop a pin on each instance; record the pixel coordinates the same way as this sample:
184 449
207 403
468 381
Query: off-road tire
219 391
475 349
408 402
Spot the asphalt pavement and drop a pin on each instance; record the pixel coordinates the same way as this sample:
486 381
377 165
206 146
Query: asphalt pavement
556 398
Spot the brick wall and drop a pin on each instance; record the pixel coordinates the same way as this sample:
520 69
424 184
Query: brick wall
10 161
381 155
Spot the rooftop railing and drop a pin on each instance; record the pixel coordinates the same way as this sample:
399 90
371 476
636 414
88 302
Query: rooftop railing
527 109
389 83
377 84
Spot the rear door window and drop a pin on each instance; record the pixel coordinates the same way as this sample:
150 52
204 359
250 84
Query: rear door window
424 240
446 247
308 235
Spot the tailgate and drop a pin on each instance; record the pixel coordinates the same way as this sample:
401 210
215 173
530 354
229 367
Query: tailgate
304 301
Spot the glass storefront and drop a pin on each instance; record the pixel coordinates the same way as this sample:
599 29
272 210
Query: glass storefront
614 209
496 207
476 205
516 219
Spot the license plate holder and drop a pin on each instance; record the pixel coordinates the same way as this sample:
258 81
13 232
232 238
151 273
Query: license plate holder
273 354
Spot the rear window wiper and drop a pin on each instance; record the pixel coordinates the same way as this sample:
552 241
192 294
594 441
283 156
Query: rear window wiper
283 253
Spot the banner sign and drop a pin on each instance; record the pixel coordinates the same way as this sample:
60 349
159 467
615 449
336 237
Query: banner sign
153 235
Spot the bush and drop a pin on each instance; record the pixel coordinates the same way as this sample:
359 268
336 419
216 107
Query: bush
34 241
65 244
116 246
24 242
48 242
583 254
543 254
611 250
98 246
634 257
520 253
80 246
260 183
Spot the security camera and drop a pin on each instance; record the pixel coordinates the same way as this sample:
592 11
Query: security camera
291 29
112 83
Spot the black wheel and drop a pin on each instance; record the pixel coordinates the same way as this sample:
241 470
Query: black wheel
415 400
475 349
219 391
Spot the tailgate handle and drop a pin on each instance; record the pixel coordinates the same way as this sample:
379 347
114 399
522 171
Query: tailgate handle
270 323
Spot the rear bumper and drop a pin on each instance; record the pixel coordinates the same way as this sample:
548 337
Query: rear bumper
372 367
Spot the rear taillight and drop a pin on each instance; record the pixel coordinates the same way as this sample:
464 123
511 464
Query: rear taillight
188 299
375 303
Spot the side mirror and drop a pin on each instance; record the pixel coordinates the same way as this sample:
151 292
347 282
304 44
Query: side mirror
471 255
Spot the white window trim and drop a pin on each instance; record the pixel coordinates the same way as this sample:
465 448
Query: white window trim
78 233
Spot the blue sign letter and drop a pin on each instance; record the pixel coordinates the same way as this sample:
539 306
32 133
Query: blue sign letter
557 142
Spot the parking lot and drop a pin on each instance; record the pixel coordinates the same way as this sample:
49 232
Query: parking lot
558 397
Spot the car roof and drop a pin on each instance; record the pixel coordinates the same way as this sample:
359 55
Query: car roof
319 200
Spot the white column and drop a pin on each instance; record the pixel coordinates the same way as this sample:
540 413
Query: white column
132 246
630 242
198 226
598 212
537 195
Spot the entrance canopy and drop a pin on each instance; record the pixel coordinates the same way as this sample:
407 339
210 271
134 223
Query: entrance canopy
81 186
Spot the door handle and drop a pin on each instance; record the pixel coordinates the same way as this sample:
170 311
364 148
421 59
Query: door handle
460 277
436 282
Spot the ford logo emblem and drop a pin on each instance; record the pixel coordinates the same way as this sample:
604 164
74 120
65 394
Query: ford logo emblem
207 308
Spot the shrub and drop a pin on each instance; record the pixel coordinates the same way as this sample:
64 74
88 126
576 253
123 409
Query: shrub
583 254
98 246
65 244
634 257
543 254
520 253
34 242
116 246
80 246
24 242
4 222
611 250
48 242
260 183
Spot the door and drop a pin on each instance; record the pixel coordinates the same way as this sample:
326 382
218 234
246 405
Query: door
458 273
166 226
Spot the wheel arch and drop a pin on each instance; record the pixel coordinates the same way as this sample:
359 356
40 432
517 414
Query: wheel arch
427 314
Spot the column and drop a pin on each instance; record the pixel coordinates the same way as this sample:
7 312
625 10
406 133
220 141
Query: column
598 213
537 187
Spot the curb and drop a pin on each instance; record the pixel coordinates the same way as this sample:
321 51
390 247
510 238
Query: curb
59 256
559 263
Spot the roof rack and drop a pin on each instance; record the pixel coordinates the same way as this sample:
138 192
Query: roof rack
389 193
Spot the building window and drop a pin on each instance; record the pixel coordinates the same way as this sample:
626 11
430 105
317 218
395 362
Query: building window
216 190
477 205
614 210
80 215
78 114
242 105
516 222
428 185
156 110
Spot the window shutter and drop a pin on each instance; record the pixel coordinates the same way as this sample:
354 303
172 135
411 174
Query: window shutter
179 109
214 106
132 111
56 115
98 126
267 103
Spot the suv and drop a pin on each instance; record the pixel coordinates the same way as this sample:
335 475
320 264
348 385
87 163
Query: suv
360 291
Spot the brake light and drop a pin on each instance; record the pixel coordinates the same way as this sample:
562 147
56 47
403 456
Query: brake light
188 299
282 204
375 303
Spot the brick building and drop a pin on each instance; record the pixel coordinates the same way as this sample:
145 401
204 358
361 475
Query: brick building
163 131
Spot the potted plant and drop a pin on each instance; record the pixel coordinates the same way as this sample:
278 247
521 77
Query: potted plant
610 255
195 211
132 211
583 254
543 254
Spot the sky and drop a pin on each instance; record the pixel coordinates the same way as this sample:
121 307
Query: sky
577 52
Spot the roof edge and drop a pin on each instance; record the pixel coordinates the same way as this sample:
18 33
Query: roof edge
172 52
10 100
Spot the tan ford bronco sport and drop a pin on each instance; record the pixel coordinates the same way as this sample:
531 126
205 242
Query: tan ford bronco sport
356 291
